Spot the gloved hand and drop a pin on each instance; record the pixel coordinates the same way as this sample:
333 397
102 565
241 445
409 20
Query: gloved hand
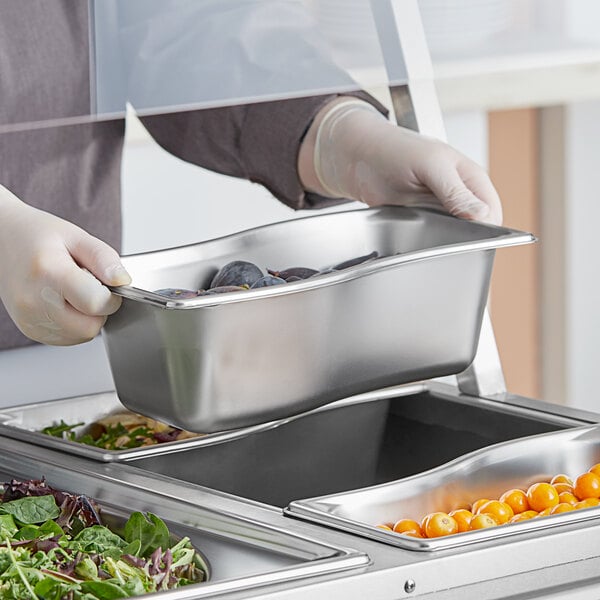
52 275
358 154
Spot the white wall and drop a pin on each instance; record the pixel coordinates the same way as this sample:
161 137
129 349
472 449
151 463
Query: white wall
582 258
468 132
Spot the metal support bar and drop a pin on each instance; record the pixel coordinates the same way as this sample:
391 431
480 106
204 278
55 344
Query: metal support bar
415 104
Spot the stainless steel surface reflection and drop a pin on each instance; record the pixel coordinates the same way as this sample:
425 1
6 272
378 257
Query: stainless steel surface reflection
485 473
233 360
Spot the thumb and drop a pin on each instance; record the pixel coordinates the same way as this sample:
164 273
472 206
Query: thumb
99 259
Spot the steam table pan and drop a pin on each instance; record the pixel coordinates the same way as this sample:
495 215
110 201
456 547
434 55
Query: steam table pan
242 553
225 361
485 473
26 422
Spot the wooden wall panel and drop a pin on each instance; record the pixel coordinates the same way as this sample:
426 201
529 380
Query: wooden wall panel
515 291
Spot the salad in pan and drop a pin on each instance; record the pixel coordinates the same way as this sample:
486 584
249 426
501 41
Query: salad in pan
119 431
54 546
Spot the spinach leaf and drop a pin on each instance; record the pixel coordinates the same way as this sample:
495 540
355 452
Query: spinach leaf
133 548
33 532
150 530
100 539
7 525
104 590
50 529
27 532
53 588
31 509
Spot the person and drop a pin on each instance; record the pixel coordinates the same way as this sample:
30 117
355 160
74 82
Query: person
59 186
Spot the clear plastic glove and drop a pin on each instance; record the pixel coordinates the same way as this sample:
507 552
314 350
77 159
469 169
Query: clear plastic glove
52 275
357 153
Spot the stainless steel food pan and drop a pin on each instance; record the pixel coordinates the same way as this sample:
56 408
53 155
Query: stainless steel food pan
353 445
243 553
25 422
232 360
485 473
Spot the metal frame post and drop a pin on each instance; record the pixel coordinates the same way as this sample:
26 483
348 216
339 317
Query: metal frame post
415 105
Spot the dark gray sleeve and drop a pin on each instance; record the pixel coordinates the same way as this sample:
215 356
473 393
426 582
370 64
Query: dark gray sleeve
259 142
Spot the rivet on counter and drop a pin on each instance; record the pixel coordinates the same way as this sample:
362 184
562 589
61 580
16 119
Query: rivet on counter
409 586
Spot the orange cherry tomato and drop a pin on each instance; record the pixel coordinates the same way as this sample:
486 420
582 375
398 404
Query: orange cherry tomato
440 524
417 533
516 499
524 516
463 517
561 507
561 478
587 503
424 521
587 485
477 505
546 511
541 496
404 525
384 526
568 497
501 511
482 521
595 469
563 487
